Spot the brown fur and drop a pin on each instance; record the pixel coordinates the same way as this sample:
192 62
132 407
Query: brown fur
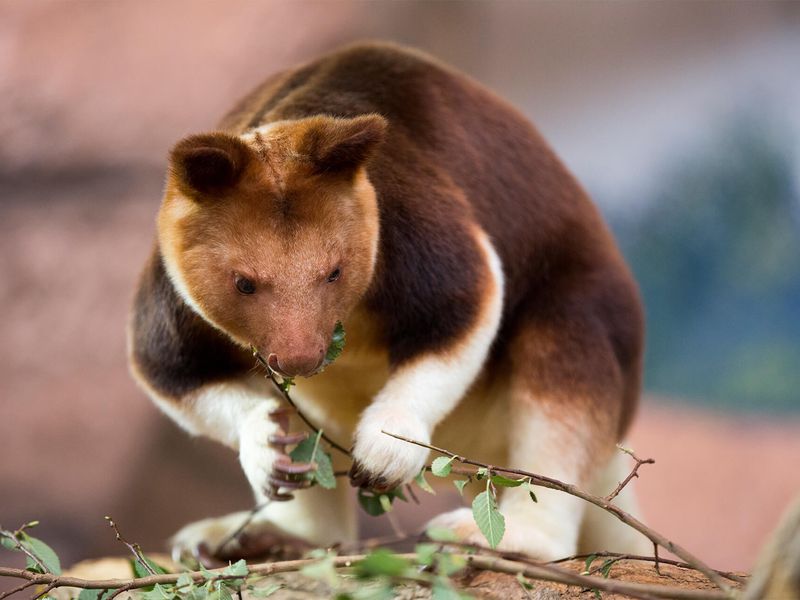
454 156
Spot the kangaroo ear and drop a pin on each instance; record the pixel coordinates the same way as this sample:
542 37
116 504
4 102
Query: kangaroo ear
209 163
341 145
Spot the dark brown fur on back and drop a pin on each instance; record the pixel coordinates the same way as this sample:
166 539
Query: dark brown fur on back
454 155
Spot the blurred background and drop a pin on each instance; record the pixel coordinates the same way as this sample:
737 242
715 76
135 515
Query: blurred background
681 119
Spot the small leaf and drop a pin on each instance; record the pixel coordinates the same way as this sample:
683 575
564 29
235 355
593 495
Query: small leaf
140 571
426 553
442 466
322 570
588 563
524 582
207 575
381 562
184 583
447 563
443 590
423 483
159 592
441 534
89 594
529 487
460 483
43 552
370 503
309 451
606 568
237 569
491 523
287 383
336 346
8 543
481 473
503 481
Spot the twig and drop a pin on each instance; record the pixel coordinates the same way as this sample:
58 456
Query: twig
655 556
623 516
637 557
134 548
634 472
13 537
19 588
484 562
288 398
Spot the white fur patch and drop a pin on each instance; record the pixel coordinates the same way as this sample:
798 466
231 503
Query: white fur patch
555 447
419 395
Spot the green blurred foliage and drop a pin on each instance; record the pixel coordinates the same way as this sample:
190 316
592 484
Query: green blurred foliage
716 252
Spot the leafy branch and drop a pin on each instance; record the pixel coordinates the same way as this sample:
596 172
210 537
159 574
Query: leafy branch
627 518
378 564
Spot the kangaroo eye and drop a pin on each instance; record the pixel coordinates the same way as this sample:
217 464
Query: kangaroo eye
244 285
334 275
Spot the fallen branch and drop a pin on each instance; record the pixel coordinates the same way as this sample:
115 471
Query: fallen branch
572 490
483 562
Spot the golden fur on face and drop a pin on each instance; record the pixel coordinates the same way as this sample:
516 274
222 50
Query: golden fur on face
283 206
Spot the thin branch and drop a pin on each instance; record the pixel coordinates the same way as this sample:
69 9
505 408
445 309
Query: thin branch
19 588
288 398
542 572
134 548
623 516
634 472
12 536
652 559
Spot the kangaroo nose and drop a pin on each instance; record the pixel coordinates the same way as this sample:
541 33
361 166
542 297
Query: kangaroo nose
297 363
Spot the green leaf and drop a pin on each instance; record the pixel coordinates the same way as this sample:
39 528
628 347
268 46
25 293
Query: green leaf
460 483
386 503
8 543
481 473
207 575
336 346
237 569
426 553
286 383
381 562
370 503
588 563
441 534
185 583
159 592
423 483
322 570
503 481
90 594
309 450
443 590
442 466
447 563
524 582
606 568
491 523
43 552
140 571
529 487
